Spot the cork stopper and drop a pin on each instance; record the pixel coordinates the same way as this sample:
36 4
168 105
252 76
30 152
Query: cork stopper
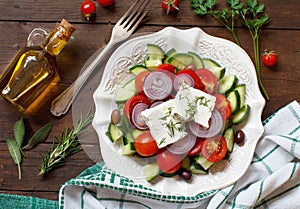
70 28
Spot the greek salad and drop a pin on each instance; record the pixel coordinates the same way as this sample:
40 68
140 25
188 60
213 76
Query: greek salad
179 113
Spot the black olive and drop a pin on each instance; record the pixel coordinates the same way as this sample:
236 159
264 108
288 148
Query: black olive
185 174
115 116
239 136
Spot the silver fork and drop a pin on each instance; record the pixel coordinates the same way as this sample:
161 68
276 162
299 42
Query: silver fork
121 31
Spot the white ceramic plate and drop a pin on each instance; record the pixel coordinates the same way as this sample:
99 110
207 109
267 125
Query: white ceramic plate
223 51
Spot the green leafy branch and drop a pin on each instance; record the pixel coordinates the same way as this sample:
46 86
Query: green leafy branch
14 144
252 15
67 145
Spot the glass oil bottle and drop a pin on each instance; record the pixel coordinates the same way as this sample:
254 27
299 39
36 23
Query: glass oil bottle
34 68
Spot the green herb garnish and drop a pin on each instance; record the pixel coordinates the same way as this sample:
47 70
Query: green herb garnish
251 15
15 152
14 144
39 136
67 145
19 131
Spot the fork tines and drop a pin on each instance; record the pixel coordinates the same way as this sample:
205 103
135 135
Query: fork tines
134 15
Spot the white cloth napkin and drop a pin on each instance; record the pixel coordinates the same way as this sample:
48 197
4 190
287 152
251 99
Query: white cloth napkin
271 182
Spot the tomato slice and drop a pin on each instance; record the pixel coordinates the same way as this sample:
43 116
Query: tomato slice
167 67
214 149
139 80
223 105
130 103
168 162
208 79
196 148
145 145
197 81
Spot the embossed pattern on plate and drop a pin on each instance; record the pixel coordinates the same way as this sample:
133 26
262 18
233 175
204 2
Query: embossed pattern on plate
223 51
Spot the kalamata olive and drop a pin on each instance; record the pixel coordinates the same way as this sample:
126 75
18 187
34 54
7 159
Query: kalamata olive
191 66
185 174
239 136
115 116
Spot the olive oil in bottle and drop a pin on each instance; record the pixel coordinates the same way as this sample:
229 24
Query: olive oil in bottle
34 68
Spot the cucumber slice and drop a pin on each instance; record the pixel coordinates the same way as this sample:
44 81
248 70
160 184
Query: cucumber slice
135 133
125 123
130 85
128 149
155 52
169 54
197 60
227 124
229 137
123 94
151 171
155 56
186 162
152 63
137 69
242 92
203 162
234 99
127 138
227 84
214 67
220 72
241 115
181 60
114 133
197 168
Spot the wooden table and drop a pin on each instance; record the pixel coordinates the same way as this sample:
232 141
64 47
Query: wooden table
17 18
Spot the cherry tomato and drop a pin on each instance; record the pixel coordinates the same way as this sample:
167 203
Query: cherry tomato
269 58
223 105
196 148
88 8
130 103
106 3
168 162
208 79
139 80
145 145
214 149
197 81
168 67
169 5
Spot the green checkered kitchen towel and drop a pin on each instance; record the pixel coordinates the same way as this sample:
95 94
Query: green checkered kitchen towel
272 180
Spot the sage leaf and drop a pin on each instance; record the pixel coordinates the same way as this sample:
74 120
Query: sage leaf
19 131
39 136
15 152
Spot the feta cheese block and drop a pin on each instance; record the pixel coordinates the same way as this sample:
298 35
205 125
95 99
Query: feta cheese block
164 123
194 105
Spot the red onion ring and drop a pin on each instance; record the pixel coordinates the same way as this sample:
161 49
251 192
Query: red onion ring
216 124
182 78
136 118
183 146
156 103
157 85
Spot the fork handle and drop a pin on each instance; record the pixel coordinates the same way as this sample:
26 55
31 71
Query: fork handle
62 103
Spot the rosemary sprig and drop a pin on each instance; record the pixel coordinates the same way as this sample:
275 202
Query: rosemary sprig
66 146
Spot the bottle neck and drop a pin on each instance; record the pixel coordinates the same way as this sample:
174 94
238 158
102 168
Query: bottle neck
56 40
